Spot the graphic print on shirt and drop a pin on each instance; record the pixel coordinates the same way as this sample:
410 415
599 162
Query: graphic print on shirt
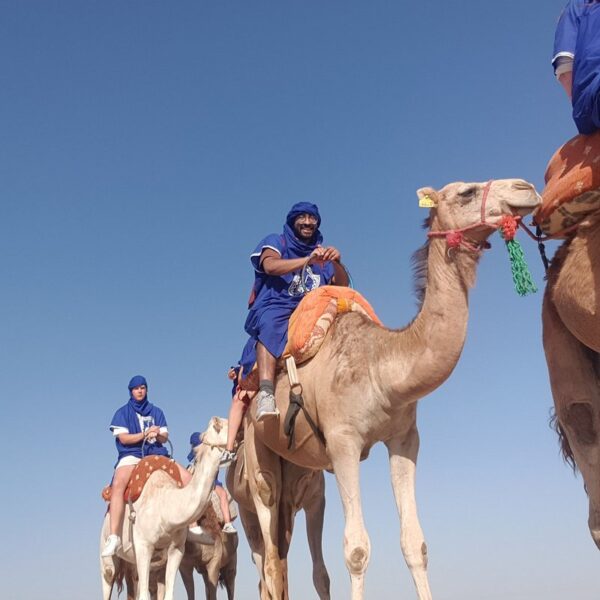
312 281
146 423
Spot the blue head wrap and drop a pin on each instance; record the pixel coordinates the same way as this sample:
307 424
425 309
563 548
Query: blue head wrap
301 208
194 441
144 407
298 248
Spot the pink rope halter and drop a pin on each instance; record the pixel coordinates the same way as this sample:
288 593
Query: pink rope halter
455 238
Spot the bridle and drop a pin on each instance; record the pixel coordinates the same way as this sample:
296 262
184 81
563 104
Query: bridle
456 238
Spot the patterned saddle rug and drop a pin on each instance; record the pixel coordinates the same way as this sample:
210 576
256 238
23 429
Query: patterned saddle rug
311 321
572 189
141 473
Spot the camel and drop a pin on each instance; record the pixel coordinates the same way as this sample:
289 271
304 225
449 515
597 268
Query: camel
162 514
363 385
571 334
298 488
216 563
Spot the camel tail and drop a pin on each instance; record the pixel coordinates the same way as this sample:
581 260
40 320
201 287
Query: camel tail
565 447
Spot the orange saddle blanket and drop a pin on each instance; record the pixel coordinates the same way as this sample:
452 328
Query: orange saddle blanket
311 321
572 189
141 473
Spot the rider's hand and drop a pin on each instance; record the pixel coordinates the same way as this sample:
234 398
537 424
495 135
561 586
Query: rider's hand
331 253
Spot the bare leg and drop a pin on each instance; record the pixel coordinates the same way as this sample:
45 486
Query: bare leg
345 456
403 456
236 414
266 363
224 503
117 503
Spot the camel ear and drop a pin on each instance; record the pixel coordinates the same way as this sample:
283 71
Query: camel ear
428 197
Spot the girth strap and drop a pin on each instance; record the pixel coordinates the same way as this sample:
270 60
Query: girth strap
297 404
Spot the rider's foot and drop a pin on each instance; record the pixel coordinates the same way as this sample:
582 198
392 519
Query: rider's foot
113 543
227 456
265 405
229 528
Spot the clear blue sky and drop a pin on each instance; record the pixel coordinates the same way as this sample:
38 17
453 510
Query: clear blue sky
147 146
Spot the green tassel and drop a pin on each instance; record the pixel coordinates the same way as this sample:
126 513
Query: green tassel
520 271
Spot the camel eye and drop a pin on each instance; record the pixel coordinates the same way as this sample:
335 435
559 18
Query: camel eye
466 193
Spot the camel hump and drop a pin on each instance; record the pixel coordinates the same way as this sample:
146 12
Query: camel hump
572 189
315 314
141 474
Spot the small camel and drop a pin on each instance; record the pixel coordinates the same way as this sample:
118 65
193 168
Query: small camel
571 330
363 385
258 472
162 514
216 563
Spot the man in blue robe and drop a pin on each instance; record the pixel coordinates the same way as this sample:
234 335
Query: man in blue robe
576 61
286 266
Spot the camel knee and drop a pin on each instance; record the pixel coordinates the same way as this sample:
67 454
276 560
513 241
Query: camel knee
265 486
357 559
415 556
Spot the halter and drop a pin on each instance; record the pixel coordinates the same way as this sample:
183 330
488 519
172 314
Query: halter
455 238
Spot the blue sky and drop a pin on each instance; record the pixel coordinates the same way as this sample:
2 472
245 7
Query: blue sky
146 148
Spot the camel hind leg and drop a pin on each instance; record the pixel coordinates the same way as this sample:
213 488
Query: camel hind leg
403 452
575 382
314 509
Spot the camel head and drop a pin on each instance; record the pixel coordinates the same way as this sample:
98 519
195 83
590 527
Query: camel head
478 208
216 432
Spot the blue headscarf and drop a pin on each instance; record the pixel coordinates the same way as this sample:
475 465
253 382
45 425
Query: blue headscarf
194 441
298 248
144 407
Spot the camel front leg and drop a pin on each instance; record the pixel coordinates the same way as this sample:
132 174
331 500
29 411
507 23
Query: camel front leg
345 457
315 512
257 547
403 457
143 556
186 570
174 556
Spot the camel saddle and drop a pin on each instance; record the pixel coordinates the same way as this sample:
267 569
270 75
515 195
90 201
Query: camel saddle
572 189
141 473
311 321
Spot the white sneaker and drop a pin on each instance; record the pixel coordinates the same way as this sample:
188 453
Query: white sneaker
229 528
113 543
199 536
265 405
226 458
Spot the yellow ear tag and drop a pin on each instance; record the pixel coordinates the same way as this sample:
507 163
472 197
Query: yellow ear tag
426 201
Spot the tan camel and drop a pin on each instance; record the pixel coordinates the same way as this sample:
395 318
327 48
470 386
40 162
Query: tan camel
363 385
258 472
571 324
162 514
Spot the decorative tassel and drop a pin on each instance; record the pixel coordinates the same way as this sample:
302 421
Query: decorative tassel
520 271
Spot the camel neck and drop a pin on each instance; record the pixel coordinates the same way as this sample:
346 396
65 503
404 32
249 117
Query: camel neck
429 348
187 504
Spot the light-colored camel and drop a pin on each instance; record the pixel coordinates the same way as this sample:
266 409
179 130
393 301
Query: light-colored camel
216 563
162 514
363 385
258 472
571 323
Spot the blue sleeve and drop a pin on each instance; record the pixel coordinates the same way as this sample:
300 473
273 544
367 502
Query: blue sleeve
272 241
119 419
565 38
159 417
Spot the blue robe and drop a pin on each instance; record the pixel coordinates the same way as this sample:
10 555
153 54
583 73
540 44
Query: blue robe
578 36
